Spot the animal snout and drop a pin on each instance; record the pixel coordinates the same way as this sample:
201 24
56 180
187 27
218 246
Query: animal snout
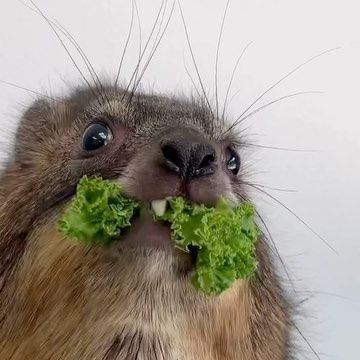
188 154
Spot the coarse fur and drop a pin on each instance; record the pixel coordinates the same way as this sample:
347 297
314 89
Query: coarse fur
62 300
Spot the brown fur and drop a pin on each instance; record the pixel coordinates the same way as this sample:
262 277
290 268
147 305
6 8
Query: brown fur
62 300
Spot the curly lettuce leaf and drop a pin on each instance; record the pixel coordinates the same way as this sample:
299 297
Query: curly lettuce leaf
99 213
224 236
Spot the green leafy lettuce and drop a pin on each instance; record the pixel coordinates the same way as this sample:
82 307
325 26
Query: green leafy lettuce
99 212
224 236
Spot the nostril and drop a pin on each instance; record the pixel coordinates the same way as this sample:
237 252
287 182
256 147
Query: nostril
173 157
207 161
203 161
188 157
171 154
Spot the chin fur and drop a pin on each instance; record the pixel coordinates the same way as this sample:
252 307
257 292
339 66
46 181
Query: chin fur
69 301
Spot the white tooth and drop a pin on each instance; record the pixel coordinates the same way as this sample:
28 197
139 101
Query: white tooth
159 207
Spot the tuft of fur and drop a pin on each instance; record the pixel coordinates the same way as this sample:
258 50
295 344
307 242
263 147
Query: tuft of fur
62 300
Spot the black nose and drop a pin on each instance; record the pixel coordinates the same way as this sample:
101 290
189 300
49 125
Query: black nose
189 157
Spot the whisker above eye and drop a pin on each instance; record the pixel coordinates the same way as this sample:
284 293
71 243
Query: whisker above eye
56 24
48 21
146 46
158 38
287 75
240 120
192 80
125 46
193 59
86 60
217 58
232 79
140 37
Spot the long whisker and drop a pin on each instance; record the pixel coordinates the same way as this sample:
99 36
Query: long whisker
140 38
217 58
65 48
327 293
159 28
30 91
145 47
85 58
193 58
276 188
282 79
272 248
294 214
275 249
191 79
240 120
246 144
125 46
305 339
137 81
232 78
155 48
79 50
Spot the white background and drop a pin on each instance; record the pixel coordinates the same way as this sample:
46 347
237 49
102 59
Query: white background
284 34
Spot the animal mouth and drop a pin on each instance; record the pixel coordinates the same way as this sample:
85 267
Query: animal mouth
148 232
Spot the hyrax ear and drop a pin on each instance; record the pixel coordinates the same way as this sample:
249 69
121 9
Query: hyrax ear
30 129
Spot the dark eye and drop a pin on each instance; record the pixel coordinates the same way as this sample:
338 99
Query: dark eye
232 161
96 136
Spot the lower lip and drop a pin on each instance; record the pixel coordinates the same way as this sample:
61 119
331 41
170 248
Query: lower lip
145 232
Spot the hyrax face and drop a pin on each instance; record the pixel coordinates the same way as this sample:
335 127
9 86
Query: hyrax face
62 300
